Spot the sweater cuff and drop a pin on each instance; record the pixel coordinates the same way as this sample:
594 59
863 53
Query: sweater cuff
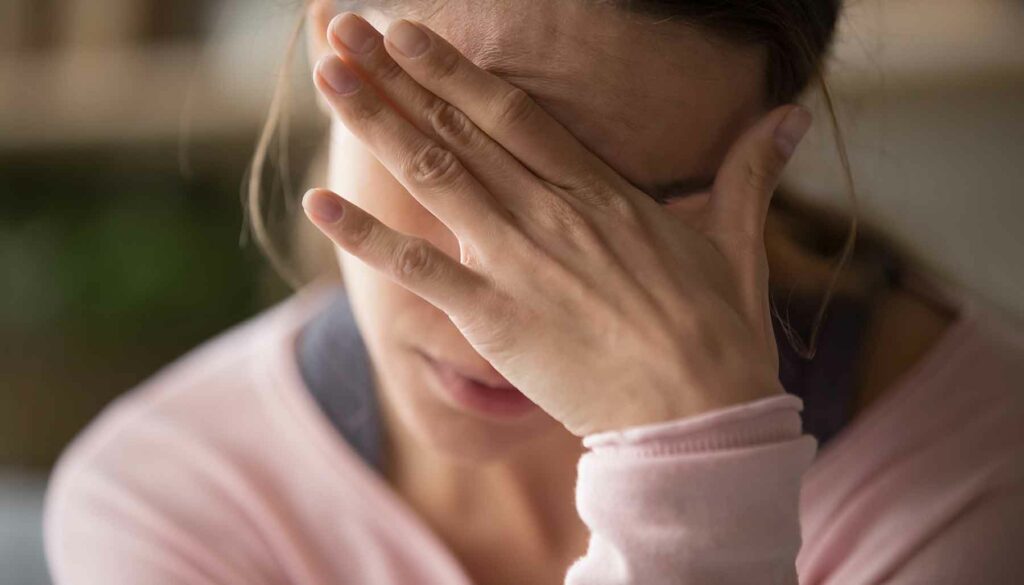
712 498
768 420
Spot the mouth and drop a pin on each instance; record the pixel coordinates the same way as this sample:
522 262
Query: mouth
489 394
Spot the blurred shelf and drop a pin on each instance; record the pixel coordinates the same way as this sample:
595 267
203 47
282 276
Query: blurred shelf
128 95
920 43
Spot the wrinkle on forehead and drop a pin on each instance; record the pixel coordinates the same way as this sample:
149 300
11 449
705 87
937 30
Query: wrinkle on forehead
652 100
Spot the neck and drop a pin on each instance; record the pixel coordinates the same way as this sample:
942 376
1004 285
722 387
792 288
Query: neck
522 502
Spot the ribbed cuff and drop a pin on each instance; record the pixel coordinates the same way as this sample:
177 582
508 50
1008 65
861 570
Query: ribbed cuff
769 420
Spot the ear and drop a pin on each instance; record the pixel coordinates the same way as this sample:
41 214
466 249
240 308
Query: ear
318 16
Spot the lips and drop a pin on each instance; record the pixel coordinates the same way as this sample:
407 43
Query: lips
490 377
485 393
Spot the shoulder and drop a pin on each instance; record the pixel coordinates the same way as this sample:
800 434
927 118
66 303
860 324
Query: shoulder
161 470
959 406
929 469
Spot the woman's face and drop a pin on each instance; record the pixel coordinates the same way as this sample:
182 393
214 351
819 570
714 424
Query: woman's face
660 103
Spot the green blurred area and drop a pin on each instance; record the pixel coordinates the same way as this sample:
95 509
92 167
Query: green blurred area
112 262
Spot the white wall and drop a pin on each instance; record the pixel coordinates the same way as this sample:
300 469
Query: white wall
931 96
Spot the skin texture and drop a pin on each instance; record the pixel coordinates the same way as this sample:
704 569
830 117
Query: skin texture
647 104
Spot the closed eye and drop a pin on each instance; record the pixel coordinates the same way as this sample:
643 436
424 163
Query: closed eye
663 193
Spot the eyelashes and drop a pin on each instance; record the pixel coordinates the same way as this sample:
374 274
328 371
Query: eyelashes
685 188
666 198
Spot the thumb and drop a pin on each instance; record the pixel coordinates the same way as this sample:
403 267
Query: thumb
752 169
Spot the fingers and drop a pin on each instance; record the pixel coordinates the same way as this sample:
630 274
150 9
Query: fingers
430 172
358 42
505 112
740 199
747 179
412 262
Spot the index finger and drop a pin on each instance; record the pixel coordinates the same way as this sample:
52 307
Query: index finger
505 112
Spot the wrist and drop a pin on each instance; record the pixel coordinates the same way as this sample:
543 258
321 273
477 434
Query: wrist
666 405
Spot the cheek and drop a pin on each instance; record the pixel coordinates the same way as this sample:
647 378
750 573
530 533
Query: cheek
358 176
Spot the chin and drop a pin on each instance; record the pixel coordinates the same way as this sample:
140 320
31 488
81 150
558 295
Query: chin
458 431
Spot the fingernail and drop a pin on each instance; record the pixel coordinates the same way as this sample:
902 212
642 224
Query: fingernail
408 38
322 206
791 130
354 32
337 75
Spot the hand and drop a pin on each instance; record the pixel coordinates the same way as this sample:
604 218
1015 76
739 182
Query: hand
601 306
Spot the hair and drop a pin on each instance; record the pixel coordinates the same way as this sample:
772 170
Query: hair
797 36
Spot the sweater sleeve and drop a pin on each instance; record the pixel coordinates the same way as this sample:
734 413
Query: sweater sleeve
707 499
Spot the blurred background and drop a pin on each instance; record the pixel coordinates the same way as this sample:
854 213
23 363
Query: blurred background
126 128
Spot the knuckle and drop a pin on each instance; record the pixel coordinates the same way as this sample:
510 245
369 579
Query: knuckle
755 175
358 231
624 209
385 70
366 108
585 185
564 218
762 173
496 322
593 194
512 107
444 64
450 124
413 258
589 189
433 165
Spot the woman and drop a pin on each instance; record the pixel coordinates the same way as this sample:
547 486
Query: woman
550 218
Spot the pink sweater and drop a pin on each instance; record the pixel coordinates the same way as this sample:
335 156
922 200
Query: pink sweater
222 470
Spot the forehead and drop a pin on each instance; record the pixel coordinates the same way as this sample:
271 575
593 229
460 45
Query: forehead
657 100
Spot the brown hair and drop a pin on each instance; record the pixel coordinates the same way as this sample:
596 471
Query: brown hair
797 35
